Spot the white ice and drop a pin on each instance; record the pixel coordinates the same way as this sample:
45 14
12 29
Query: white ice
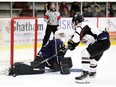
106 74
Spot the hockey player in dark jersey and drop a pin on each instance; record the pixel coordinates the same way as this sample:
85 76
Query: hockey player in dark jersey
97 41
49 51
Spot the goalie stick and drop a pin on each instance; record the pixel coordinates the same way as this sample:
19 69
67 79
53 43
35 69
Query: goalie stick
71 70
41 62
55 46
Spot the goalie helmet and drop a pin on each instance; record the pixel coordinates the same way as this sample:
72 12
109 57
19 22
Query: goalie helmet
60 34
78 19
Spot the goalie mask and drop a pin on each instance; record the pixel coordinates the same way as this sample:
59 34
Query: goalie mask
60 34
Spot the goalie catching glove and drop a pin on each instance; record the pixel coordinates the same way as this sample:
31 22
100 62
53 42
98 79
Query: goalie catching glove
72 44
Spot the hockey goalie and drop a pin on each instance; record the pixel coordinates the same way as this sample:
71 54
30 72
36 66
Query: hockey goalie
46 57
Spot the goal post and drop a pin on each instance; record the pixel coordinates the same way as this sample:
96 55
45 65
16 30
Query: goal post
13 26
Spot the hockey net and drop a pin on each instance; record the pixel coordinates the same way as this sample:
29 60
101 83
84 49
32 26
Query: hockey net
21 42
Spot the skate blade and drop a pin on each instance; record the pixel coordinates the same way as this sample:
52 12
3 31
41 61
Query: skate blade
82 82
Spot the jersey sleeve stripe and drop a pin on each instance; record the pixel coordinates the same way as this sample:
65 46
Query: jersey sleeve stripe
46 16
59 17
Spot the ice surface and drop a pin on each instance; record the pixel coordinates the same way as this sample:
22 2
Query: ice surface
106 74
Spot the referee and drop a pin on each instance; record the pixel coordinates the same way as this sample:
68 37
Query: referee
52 18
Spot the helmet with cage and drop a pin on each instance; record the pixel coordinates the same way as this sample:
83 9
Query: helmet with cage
77 19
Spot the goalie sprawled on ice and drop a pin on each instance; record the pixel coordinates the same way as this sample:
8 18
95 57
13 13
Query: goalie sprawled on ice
46 57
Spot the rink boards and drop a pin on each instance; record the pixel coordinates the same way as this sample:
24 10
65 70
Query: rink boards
65 25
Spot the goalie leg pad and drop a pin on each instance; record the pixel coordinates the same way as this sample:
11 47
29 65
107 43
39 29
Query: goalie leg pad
19 68
65 69
67 60
37 63
66 64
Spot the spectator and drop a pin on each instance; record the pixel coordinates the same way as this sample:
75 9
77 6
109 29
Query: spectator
64 10
66 13
88 12
93 6
75 8
85 6
97 12
110 11
46 7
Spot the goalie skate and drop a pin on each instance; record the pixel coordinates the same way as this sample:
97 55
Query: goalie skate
92 74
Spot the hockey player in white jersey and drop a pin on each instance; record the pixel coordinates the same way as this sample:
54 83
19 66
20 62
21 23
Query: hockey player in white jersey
97 41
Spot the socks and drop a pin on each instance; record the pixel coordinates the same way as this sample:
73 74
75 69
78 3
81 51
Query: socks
89 65
85 63
93 65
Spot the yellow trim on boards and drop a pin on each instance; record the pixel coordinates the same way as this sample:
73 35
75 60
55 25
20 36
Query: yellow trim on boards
113 43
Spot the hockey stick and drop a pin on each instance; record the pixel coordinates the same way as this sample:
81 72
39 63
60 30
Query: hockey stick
74 28
55 37
41 62
55 46
71 70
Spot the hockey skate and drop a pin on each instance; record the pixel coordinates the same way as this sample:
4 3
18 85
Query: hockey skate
83 79
92 74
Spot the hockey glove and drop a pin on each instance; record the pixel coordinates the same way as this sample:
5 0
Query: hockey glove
62 51
103 36
72 45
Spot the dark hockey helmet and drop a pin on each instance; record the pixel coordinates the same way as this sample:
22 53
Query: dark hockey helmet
78 19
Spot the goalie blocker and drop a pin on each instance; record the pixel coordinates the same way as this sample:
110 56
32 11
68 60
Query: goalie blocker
20 68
